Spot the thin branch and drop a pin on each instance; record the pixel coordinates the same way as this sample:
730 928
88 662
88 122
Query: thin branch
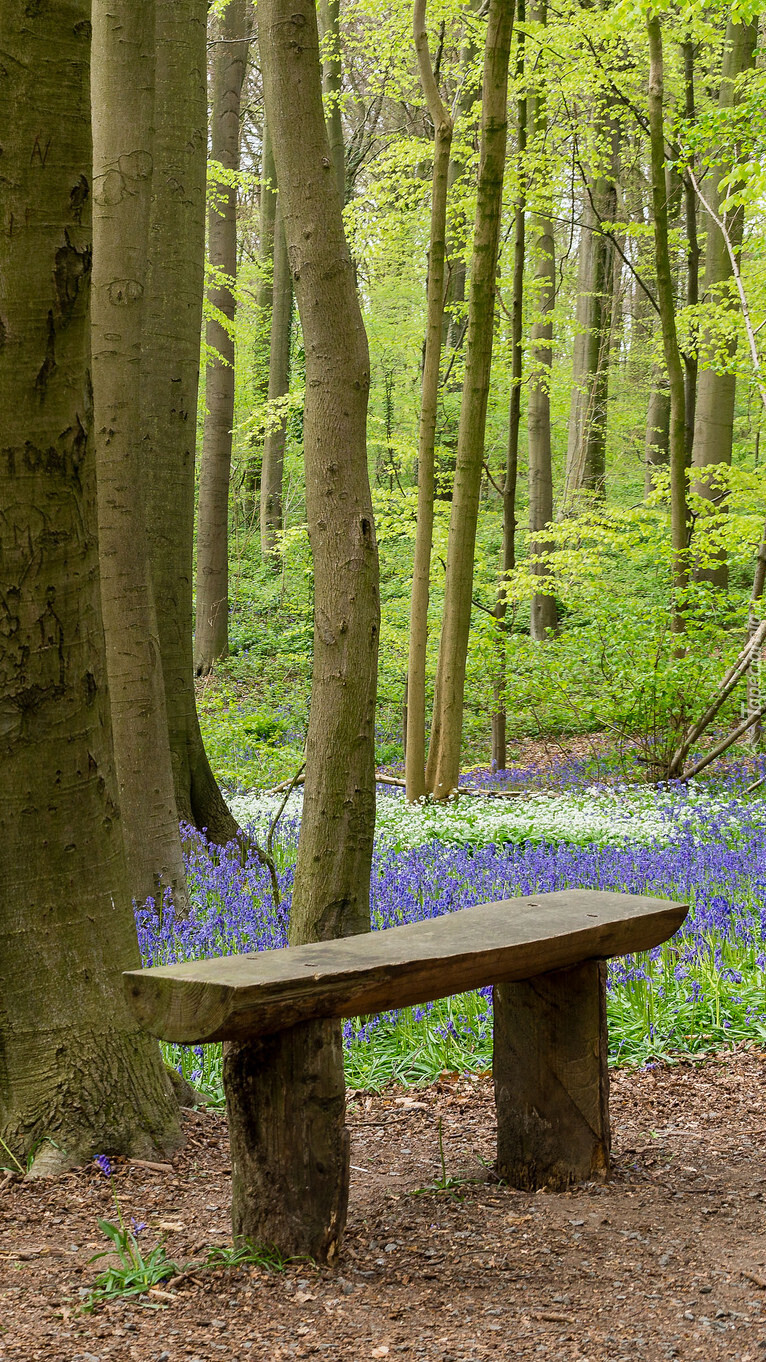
724 744
265 854
499 490
734 674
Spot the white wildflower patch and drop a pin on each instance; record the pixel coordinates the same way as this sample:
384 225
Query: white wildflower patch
605 817
256 809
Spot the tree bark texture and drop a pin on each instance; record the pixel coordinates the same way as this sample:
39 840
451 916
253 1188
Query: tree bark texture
273 467
714 416
679 513
76 1076
286 1107
211 632
169 380
543 615
121 85
443 770
552 1079
508 561
415 744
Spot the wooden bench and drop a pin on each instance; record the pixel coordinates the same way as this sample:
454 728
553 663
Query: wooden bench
543 953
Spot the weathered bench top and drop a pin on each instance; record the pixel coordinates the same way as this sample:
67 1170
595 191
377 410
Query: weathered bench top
239 997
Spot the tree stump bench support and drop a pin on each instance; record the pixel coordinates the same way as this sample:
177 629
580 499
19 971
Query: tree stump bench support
279 1013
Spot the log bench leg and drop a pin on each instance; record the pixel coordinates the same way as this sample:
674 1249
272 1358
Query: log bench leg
286 1105
551 1078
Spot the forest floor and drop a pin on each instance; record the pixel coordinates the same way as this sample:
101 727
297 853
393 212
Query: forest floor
666 1260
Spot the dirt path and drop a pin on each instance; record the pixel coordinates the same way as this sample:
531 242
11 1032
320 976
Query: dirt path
665 1261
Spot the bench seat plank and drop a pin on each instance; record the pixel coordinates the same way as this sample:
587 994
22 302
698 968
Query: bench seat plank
239 997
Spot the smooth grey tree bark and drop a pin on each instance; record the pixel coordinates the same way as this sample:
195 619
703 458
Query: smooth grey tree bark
510 483
415 743
122 87
169 382
717 383
543 614
679 506
211 630
274 442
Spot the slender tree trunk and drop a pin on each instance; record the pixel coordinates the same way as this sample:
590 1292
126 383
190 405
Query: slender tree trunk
211 632
288 1101
754 678
332 82
272 471
586 448
415 746
169 379
543 617
508 561
443 769
679 513
714 419
122 85
263 299
656 448
456 245
692 255
76 1076
454 323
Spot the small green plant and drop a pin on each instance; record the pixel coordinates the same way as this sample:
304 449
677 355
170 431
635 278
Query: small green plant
137 1272
250 1255
6 1167
442 1184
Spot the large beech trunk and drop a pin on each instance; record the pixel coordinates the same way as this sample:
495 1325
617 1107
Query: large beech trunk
286 1100
543 615
122 90
415 742
169 379
443 768
679 514
76 1076
211 632
714 416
